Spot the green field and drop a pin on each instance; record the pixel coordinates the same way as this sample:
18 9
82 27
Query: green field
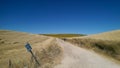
64 35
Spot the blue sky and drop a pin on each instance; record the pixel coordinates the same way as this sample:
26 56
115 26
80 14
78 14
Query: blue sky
60 16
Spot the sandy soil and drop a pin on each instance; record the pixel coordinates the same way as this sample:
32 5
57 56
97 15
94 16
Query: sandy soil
75 57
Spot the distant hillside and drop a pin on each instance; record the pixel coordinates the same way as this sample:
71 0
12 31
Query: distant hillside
111 35
64 35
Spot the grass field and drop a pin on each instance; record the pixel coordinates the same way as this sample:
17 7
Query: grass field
111 35
13 53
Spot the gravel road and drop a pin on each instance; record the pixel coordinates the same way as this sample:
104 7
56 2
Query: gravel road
76 57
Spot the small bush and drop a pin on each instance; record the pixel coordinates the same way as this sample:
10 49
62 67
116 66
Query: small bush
2 42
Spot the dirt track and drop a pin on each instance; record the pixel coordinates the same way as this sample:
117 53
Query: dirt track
75 57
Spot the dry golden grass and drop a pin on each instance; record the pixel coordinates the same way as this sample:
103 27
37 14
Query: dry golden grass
105 43
111 35
14 54
48 57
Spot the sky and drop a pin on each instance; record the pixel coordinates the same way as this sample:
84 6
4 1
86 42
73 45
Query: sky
60 16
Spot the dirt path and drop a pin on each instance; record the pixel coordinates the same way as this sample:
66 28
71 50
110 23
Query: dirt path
75 57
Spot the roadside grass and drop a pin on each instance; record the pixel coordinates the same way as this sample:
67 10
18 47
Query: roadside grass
50 56
47 56
107 43
107 47
64 35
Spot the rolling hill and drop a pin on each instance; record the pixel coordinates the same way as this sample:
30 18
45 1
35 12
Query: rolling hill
107 43
111 35
13 53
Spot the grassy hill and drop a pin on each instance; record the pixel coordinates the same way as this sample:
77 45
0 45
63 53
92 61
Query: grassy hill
13 53
64 35
111 35
107 43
